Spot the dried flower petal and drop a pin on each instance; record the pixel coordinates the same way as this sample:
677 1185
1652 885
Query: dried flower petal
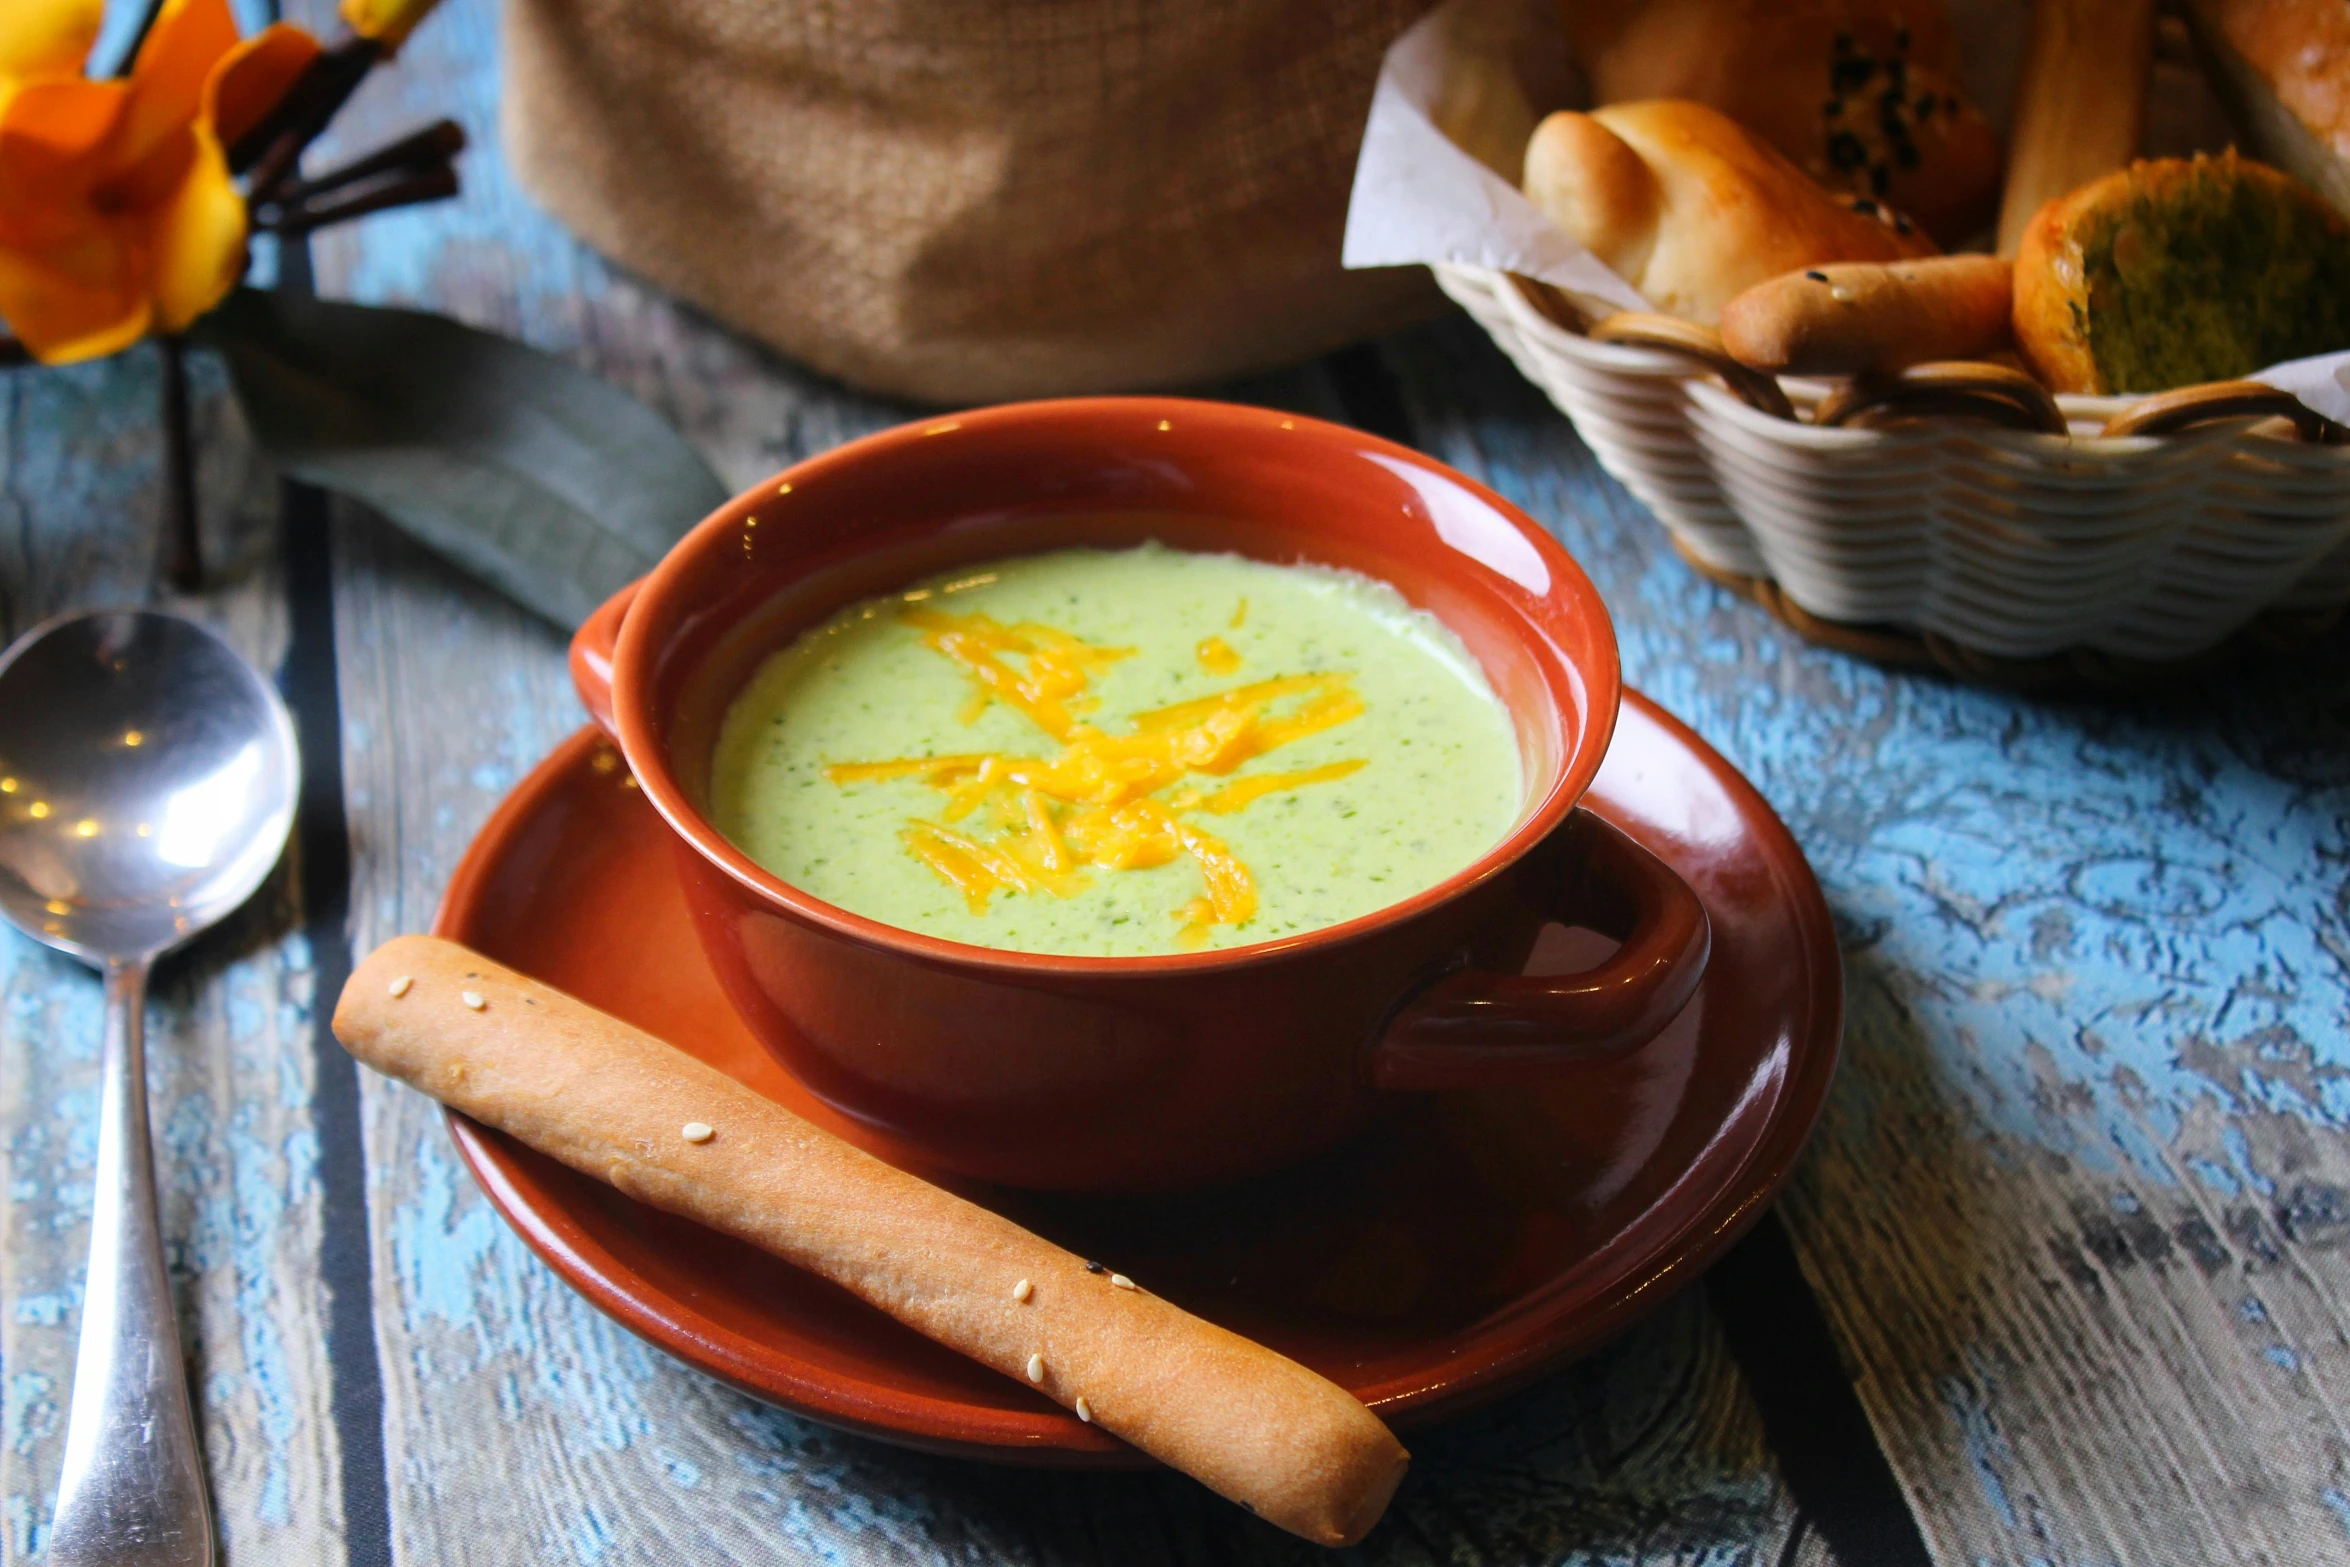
199 240
48 37
388 22
253 76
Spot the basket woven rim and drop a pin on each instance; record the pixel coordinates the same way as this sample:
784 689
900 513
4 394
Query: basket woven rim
1552 313
2083 669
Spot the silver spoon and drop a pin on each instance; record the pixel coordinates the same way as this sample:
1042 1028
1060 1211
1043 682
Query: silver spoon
147 783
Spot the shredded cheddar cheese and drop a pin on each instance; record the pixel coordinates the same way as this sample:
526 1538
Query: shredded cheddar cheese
1103 802
1050 691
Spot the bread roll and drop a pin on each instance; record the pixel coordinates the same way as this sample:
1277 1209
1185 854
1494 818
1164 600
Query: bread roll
2174 272
2081 108
2283 66
1862 95
1690 209
679 1135
1847 317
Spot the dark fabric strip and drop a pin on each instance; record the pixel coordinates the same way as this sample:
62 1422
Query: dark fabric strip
323 843
1827 1451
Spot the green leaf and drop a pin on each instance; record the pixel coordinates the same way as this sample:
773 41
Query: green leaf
554 487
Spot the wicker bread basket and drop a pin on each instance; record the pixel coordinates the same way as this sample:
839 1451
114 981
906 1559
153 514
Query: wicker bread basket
1956 515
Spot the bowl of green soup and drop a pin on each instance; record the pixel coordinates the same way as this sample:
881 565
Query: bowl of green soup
1134 793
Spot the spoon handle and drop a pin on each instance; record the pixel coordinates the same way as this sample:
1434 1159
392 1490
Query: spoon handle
132 1494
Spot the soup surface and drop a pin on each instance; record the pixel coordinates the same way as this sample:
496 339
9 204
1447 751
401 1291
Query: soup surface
1119 752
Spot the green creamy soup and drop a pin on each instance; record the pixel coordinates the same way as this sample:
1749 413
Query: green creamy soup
1119 752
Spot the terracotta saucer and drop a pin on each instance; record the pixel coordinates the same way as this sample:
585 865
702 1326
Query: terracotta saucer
1440 1261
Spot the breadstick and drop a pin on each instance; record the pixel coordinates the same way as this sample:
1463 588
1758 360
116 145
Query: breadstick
621 1106
1851 316
2081 107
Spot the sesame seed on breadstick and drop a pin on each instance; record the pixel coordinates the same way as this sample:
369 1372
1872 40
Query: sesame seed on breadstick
609 1101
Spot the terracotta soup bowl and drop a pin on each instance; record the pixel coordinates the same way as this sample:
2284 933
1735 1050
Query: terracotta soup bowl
1151 1073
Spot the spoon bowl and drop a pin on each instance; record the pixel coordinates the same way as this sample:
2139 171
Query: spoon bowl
147 782
148 777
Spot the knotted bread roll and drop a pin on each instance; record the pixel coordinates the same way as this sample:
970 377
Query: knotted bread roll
1690 209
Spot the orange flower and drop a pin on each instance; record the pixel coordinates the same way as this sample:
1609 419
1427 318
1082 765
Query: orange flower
117 213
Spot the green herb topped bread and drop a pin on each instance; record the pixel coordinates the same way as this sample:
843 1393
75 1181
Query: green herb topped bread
2174 272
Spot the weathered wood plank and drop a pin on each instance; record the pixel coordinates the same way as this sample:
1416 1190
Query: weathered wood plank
524 1426
228 1024
2078 1210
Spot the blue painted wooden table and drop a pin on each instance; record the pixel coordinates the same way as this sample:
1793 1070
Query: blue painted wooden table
2062 1280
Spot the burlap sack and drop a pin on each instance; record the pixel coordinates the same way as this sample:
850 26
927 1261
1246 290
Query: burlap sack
968 200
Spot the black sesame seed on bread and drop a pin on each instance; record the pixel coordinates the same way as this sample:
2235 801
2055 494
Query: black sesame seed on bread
1862 95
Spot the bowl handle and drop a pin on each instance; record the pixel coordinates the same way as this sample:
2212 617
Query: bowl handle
591 657
1475 1028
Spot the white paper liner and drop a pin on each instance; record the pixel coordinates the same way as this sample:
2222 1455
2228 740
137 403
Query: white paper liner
1420 198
